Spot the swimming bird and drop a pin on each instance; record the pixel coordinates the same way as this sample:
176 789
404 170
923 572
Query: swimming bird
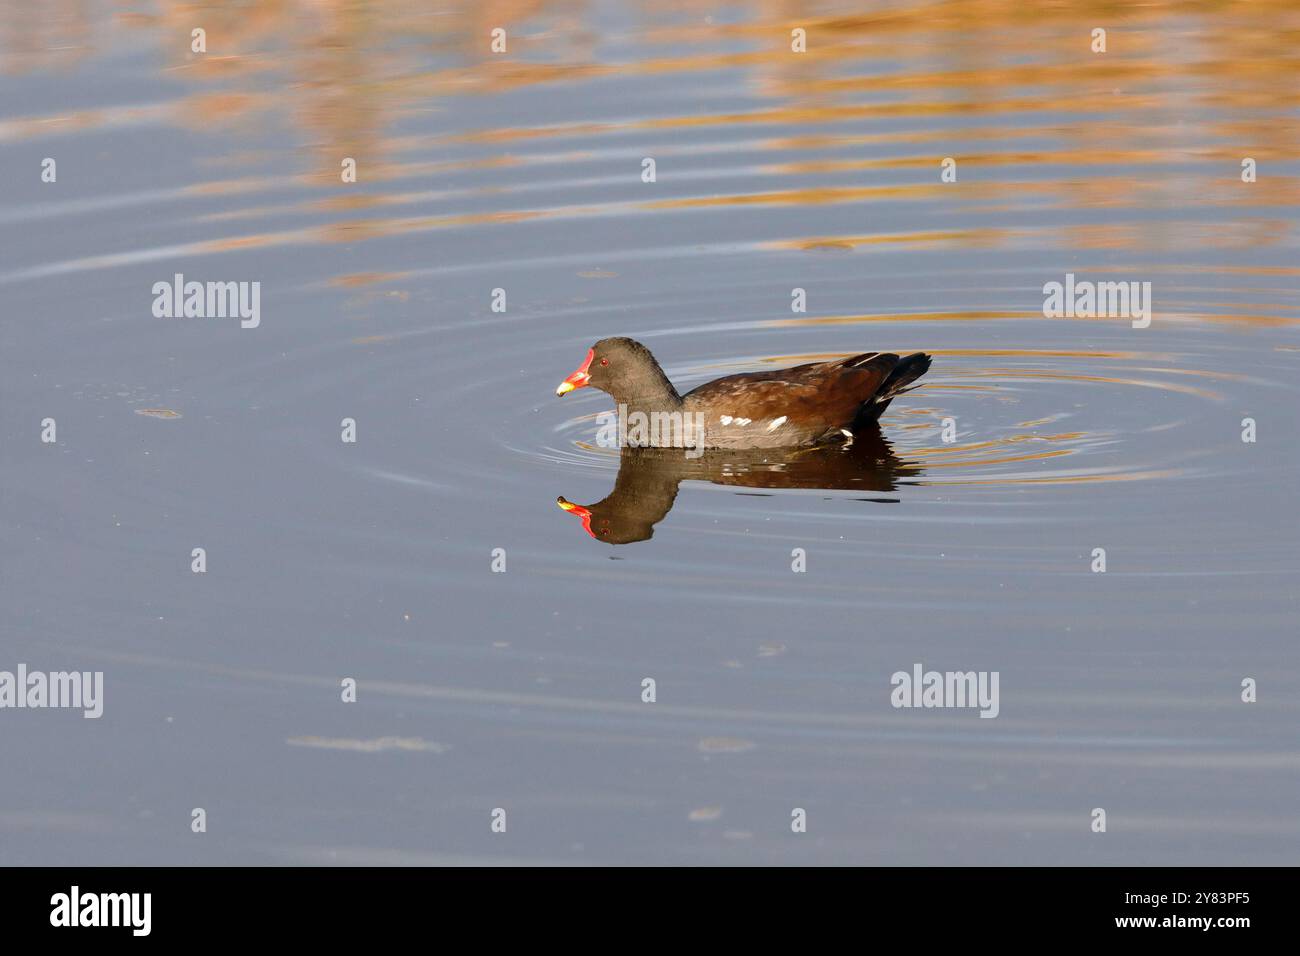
813 404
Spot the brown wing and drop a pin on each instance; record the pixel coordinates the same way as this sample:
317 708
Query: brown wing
813 399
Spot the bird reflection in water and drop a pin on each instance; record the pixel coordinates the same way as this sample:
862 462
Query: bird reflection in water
648 479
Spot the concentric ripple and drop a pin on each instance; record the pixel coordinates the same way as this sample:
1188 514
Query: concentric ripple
1012 416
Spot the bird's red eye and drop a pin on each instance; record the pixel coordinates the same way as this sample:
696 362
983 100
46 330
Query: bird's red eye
604 361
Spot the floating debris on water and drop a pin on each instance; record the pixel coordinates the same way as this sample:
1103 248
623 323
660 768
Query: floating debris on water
369 746
725 745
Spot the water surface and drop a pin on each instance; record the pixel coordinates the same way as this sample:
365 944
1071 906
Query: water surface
522 690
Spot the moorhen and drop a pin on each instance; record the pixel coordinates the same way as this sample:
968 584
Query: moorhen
648 478
812 404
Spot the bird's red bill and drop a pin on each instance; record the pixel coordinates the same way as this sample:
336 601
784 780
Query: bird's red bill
580 511
579 378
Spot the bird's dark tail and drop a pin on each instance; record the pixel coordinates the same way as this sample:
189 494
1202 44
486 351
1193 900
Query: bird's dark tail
900 380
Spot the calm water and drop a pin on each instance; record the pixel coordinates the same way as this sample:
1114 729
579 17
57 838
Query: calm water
522 690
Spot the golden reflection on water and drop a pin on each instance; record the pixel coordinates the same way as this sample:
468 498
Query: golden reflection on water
976 315
1160 121
345 70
